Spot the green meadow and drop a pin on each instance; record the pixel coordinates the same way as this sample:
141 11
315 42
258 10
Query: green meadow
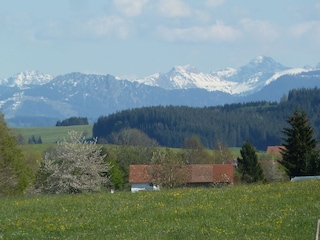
33 153
283 210
287 210
52 134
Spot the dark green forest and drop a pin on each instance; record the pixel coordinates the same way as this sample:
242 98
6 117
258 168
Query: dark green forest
72 121
260 123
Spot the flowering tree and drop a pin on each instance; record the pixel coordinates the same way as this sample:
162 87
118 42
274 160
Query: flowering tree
168 169
74 166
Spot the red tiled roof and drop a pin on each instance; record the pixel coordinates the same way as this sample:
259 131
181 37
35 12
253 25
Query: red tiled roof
274 149
200 173
197 173
223 173
139 174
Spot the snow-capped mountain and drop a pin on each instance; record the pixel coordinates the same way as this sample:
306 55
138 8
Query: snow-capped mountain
26 79
186 77
32 98
245 80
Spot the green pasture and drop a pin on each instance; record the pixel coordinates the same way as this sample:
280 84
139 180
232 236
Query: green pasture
273 211
52 134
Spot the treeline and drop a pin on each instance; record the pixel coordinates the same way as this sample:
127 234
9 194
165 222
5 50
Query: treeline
73 121
260 123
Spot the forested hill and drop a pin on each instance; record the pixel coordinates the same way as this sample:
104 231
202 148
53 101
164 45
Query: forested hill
260 123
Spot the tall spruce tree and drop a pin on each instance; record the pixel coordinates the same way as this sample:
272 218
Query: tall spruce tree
300 155
248 165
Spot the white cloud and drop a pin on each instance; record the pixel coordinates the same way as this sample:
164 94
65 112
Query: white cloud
173 8
108 25
201 16
302 29
130 8
51 30
307 30
259 29
214 3
217 32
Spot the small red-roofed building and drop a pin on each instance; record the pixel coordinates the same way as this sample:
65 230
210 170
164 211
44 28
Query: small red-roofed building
274 149
140 178
198 175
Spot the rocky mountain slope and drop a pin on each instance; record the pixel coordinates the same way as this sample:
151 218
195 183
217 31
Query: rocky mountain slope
32 98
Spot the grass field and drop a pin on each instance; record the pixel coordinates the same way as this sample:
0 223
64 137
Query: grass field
274 211
53 134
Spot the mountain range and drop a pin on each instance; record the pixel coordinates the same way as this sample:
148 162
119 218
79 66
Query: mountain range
33 98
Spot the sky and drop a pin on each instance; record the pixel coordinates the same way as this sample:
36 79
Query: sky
136 38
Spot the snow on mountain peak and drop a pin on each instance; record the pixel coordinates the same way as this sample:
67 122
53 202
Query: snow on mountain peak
266 63
185 69
255 68
251 77
151 80
293 71
259 59
186 77
24 79
225 73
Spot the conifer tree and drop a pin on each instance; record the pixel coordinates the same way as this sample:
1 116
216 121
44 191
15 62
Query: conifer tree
248 165
300 156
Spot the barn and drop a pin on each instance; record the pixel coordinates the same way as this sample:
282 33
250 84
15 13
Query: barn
198 175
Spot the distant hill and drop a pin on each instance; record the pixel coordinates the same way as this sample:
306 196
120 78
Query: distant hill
260 123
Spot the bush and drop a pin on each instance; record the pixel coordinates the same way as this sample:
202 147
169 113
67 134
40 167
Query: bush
15 175
73 167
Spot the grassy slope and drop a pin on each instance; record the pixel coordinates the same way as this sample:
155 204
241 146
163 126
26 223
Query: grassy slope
33 153
275 211
52 134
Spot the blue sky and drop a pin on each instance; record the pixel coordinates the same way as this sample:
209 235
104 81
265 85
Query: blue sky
141 37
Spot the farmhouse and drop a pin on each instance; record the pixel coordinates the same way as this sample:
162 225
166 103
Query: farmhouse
140 178
198 175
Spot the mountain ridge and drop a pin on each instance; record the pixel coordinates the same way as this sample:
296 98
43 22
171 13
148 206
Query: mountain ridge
26 79
258 72
93 95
